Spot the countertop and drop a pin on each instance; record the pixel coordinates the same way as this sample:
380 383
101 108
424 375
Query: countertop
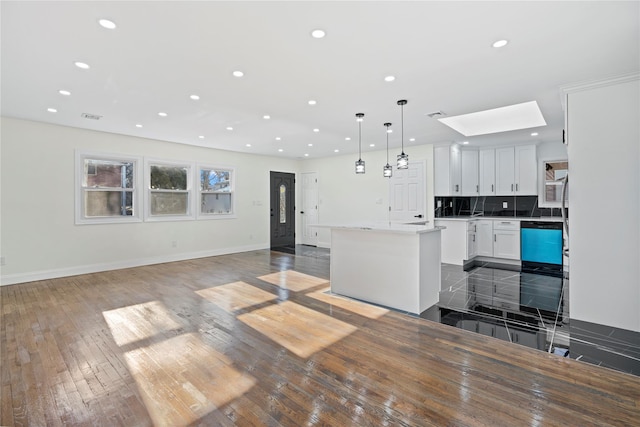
389 227
503 218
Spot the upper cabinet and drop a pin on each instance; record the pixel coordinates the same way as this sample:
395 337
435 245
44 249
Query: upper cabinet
470 177
516 171
447 169
487 172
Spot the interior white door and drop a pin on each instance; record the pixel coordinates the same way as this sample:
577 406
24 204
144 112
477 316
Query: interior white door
309 211
406 194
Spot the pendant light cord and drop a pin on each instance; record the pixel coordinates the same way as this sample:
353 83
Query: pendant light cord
402 125
360 140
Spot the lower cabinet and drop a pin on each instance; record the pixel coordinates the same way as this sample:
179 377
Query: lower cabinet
498 239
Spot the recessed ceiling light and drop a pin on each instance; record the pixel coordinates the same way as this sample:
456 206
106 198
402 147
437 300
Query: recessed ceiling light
266 117
412 139
52 110
500 43
194 97
336 151
306 154
201 137
110 25
465 142
64 92
278 138
248 145
310 145
389 78
138 125
512 117
280 150
229 128
316 130
534 133
162 114
82 65
347 139
372 145
318 34
238 74
312 102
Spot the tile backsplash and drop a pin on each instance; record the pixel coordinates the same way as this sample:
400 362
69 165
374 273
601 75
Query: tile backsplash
511 206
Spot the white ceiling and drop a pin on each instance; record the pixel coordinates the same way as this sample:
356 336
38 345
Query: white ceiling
440 53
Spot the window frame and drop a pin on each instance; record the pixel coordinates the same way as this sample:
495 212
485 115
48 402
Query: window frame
232 192
542 183
190 215
81 190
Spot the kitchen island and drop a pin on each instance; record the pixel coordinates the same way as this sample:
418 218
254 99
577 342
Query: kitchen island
393 265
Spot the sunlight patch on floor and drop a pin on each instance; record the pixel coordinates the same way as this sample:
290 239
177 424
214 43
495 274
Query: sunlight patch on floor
357 307
299 329
293 280
138 322
236 296
183 379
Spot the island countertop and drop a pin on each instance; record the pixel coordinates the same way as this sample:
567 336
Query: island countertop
389 227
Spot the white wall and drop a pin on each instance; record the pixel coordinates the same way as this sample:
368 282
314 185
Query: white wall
40 239
604 207
345 197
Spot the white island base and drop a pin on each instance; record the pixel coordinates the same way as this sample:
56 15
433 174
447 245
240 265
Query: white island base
396 266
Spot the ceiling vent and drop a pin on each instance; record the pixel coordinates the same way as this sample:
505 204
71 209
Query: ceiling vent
436 114
91 116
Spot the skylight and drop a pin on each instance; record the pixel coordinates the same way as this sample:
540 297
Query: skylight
503 119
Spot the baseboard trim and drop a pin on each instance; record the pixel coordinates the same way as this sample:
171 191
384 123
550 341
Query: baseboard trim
13 279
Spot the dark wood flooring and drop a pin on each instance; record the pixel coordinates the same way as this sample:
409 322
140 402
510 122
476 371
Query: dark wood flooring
254 339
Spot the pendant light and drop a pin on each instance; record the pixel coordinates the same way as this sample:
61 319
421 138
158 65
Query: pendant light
360 162
387 170
403 159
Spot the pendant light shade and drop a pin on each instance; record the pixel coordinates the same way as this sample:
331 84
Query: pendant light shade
387 170
359 162
403 159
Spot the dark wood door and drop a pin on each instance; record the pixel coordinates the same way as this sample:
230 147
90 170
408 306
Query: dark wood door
283 221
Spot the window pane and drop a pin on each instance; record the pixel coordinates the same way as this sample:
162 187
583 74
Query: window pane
283 204
214 180
107 173
168 178
169 203
216 203
554 176
108 203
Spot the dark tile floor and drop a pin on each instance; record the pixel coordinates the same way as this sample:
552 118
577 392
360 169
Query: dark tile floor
532 310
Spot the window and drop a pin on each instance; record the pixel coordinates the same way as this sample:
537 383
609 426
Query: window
217 198
553 173
169 190
106 188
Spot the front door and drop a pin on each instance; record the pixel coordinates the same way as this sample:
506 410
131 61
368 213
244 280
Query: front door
283 222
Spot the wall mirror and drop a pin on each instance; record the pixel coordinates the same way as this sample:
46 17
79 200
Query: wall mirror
552 173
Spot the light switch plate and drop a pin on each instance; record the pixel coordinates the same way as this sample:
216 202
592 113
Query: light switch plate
439 203
505 205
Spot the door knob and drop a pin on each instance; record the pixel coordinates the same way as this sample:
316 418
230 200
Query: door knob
301 212
418 216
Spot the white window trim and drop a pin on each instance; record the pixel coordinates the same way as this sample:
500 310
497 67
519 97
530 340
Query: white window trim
80 218
542 202
190 215
232 178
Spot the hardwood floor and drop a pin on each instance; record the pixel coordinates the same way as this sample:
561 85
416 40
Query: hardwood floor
253 339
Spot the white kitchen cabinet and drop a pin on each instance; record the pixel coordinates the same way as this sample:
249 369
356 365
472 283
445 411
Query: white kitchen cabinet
506 239
469 166
472 242
526 170
487 172
453 241
447 171
516 171
498 239
484 237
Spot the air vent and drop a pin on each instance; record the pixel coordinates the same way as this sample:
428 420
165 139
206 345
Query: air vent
91 116
436 114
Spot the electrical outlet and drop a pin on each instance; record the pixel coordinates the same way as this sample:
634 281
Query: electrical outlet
174 244
505 205
450 204
439 203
